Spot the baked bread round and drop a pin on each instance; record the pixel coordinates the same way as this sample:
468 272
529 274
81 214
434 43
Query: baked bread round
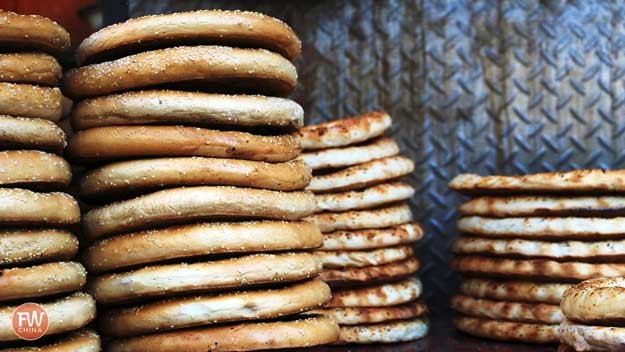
66 314
344 259
36 33
33 168
388 332
30 68
363 175
526 206
597 301
200 240
507 330
372 315
187 312
367 198
592 338
339 133
41 280
340 157
252 336
29 133
123 179
508 311
21 207
219 275
115 143
370 274
228 28
210 68
362 219
36 245
372 238
31 101
195 204
519 291
79 341
384 295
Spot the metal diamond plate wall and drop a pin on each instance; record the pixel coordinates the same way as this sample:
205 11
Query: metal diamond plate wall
474 86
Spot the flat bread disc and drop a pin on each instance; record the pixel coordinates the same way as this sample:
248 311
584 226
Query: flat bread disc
66 314
592 338
32 33
30 68
339 133
127 178
211 68
302 332
21 207
196 204
228 28
384 295
370 274
140 142
507 330
79 341
29 133
372 315
598 301
187 312
542 269
346 259
520 291
26 100
367 198
509 311
372 238
340 157
201 239
527 206
219 275
36 245
390 332
164 107
32 168
363 175
362 219
41 280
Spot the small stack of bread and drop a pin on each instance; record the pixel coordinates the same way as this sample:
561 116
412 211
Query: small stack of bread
199 243
36 247
368 231
525 240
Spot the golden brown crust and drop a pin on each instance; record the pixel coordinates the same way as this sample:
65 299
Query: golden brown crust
32 168
344 132
214 68
508 331
30 68
379 256
596 302
228 28
382 147
200 240
509 311
30 101
26 246
531 206
592 337
372 238
80 341
372 315
371 197
196 203
21 207
519 291
114 143
29 133
388 332
22 32
370 274
41 280
384 295
362 219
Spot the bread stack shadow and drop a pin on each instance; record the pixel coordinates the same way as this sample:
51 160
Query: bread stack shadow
525 240
368 231
197 237
37 244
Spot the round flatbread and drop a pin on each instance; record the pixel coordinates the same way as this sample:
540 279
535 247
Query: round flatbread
502 207
385 295
372 238
521 291
188 108
372 315
535 268
200 240
25 33
340 157
228 28
37 245
370 274
21 207
598 301
80 341
30 101
344 259
544 228
509 311
302 332
123 179
224 274
195 204
390 332
138 142
368 198
41 280
363 175
228 307
339 133
592 338
576 181
211 68
507 330
29 133
362 219
66 314
32 168
30 68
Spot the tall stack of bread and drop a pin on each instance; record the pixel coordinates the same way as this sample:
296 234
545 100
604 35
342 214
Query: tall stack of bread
36 247
368 230
198 243
525 240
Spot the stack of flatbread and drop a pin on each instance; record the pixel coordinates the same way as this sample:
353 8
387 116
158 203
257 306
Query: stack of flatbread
37 248
197 237
525 239
368 230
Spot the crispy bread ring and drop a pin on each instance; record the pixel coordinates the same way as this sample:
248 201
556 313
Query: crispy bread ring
80 341
362 219
509 311
523 291
29 133
32 168
343 259
372 238
389 332
378 296
371 197
26 246
370 274
21 32
31 68
529 206
20 207
41 280
592 338
371 315
508 331
344 132
30 101
597 301
340 157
